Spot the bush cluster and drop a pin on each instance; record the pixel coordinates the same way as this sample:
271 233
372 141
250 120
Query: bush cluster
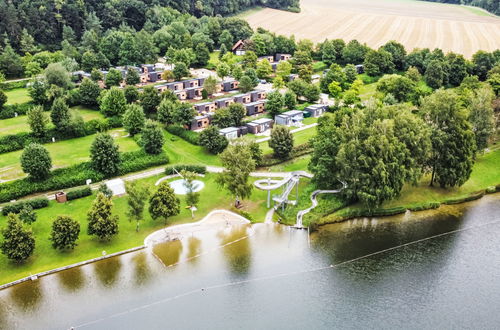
9 111
78 193
35 203
77 175
8 85
189 136
297 151
173 169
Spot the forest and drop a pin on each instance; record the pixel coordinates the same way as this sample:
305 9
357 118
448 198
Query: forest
493 6
47 21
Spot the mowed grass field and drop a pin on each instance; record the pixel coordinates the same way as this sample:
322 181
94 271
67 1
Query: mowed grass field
413 23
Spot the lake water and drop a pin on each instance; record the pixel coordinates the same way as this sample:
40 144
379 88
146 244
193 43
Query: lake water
427 270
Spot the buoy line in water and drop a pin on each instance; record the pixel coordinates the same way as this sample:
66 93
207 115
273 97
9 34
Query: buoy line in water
271 277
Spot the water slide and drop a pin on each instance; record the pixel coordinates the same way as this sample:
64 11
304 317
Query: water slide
289 181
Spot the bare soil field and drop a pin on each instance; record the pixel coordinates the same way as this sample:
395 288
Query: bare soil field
416 24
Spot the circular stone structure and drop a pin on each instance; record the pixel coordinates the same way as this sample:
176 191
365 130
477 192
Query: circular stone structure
180 189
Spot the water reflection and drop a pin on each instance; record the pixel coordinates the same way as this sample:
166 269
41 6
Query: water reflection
168 252
107 271
27 296
194 248
72 279
142 269
238 254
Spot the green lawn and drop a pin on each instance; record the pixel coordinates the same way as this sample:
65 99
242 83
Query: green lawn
180 151
17 95
319 66
20 123
296 164
45 257
368 91
299 138
63 153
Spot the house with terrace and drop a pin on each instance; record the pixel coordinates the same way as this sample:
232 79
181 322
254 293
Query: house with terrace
193 93
255 108
258 95
290 118
205 107
181 95
242 98
278 57
315 110
228 85
260 125
229 132
201 122
224 102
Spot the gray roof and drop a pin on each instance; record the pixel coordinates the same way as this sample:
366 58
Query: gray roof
228 130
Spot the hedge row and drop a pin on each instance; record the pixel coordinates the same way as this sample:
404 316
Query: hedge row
425 206
189 136
77 175
18 141
79 193
468 198
297 151
200 169
7 85
9 111
35 203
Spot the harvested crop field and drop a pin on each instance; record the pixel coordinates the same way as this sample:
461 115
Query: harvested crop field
413 23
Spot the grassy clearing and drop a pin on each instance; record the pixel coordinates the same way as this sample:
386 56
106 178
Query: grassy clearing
296 164
247 12
478 11
17 95
63 153
368 91
299 138
180 151
20 124
319 66
45 257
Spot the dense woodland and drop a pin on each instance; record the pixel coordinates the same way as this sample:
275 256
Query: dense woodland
493 6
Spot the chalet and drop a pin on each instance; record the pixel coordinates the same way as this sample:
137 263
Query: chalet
201 122
282 57
360 68
239 48
191 83
175 86
223 103
181 95
229 85
260 125
154 76
201 81
229 132
242 98
255 108
193 92
269 58
289 118
205 107
315 110
147 68
257 95
161 88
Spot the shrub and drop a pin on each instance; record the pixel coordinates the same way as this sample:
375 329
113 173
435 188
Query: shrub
36 161
104 155
139 160
7 85
79 193
65 232
211 140
35 203
173 169
189 136
468 198
152 139
9 111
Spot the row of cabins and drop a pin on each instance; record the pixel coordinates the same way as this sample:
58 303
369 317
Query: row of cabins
288 118
191 89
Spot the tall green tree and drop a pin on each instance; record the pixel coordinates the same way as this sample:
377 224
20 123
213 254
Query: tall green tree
60 115
453 145
167 112
163 203
212 141
136 201
101 221
36 161
132 77
192 197
56 74
274 103
281 141
113 78
65 233
18 243
152 138
113 102
104 155
89 92
180 71
482 116
38 120
434 75
134 119
150 99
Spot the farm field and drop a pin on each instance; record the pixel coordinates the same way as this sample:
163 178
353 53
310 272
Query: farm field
413 23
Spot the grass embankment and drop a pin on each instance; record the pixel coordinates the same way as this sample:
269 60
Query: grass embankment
63 153
46 258
20 124
17 96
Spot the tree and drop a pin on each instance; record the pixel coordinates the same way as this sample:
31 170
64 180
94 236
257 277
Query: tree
274 103
458 68
89 61
378 62
222 118
311 93
132 77
264 69
56 74
134 119
38 92
136 201
202 55
131 94
335 73
354 52
96 75
351 74
27 215
180 71
434 75
246 84
398 53
163 203
249 59
36 161
290 100
60 114
104 155
65 232
238 164
222 51
184 113
192 197
413 74
18 243
167 112
226 39
152 138
212 141
453 147
89 92
237 112
113 102
284 69
401 87
37 119
167 75
278 83
482 63
150 99
3 98
223 70
101 222
281 141
113 78
10 62
334 89
210 85
482 116
103 188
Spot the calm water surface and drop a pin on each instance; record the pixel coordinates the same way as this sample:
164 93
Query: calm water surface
275 278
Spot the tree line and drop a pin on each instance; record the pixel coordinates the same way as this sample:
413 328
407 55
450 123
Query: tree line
493 6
